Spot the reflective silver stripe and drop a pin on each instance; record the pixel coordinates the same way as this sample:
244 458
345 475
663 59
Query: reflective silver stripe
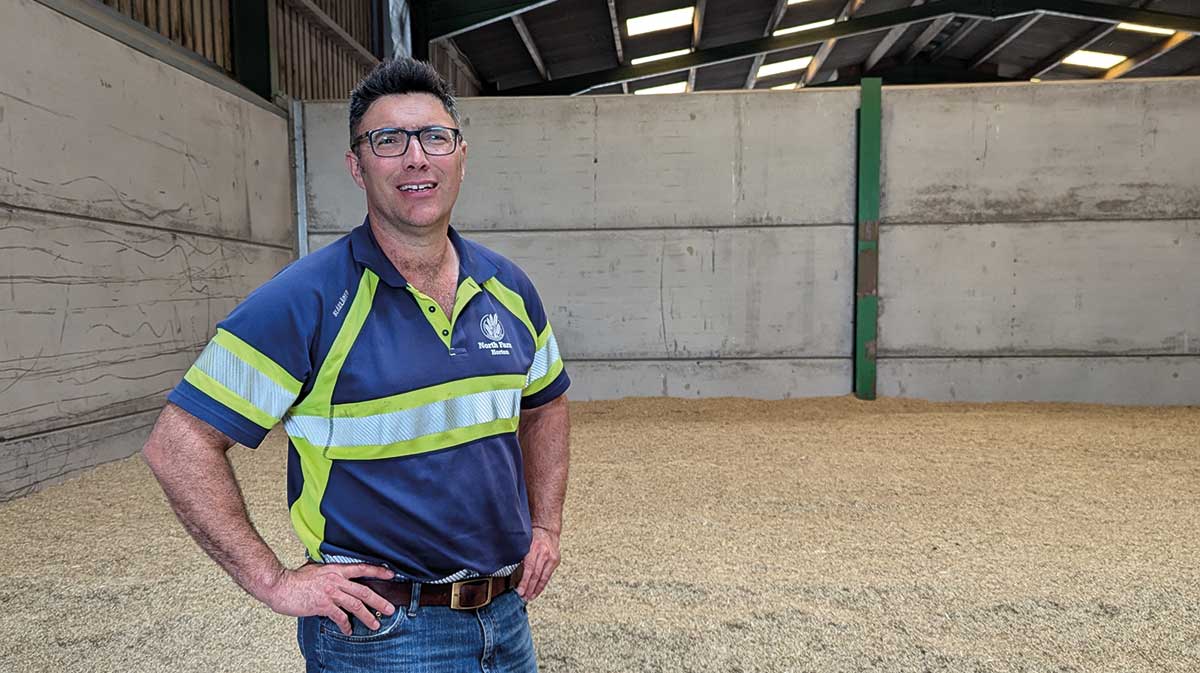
409 424
313 429
542 360
244 381
471 574
333 558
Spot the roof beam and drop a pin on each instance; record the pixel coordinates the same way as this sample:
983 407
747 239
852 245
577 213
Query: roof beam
826 48
1095 11
963 31
995 9
933 30
1015 32
697 30
452 17
534 54
616 28
885 45
1085 41
772 23
1057 57
1134 62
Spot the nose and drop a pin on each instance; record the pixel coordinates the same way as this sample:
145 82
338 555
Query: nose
415 157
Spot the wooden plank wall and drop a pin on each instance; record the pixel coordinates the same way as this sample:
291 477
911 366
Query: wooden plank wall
354 16
314 64
203 26
447 60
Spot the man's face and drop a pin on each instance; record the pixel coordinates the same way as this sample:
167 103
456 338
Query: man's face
389 181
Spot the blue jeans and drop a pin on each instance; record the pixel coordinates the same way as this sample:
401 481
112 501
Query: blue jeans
428 639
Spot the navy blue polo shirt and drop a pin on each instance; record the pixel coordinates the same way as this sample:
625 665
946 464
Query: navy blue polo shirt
401 419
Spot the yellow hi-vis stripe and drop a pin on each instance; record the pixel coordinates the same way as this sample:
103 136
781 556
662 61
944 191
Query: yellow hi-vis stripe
306 514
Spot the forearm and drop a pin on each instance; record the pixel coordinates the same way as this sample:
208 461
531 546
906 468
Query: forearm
545 445
188 459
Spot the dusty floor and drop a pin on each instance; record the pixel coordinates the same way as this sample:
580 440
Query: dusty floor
727 535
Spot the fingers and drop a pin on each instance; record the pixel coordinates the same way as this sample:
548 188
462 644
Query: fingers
338 617
357 608
352 570
548 563
372 599
342 597
540 563
527 562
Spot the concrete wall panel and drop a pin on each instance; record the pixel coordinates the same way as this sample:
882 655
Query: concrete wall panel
1118 288
105 318
708 160
45 459
531 164
760 379
683 294
138 205
797 163
82 140
1099 380
335 203
1124 150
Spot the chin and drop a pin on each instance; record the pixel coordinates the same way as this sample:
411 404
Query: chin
419 222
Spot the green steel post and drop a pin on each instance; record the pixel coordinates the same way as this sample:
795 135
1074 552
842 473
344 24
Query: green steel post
866 277
254 58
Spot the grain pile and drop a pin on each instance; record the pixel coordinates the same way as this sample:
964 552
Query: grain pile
718 535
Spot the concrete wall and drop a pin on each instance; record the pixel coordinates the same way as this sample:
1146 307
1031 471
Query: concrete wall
1039 242
137 206
683 245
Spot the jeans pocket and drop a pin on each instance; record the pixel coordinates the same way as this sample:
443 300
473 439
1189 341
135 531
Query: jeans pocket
360 632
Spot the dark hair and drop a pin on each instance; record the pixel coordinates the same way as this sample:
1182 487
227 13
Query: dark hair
400 75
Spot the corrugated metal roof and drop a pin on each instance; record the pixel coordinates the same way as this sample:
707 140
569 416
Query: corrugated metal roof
574 37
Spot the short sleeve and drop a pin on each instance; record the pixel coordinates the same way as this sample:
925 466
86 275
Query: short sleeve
547 378
253 369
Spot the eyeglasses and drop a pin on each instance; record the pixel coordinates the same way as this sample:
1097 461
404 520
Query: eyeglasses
435 140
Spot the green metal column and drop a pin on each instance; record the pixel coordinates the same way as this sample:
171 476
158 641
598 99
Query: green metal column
254 61
420 16
866 277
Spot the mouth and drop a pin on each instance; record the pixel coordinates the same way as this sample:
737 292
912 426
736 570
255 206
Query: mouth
420 187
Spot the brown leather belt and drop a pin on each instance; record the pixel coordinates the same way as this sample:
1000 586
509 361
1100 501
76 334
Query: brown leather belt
469 594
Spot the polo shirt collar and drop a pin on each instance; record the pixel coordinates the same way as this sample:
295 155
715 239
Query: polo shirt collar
368 253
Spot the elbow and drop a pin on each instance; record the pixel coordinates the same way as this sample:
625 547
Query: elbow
152 454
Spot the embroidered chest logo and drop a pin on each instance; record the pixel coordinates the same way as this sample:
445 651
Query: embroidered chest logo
493 331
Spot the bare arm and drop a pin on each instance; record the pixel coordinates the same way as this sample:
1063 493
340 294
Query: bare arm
188 458
544 433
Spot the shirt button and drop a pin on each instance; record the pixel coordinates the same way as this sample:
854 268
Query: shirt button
432 309
445 332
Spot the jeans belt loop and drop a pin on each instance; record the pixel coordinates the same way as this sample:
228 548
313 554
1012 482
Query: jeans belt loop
414 602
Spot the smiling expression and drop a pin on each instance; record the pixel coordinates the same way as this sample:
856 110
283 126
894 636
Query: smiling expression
414 191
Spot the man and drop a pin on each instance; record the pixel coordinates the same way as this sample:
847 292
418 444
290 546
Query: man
405 363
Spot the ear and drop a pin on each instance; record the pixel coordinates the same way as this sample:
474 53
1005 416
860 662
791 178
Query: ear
355 168
462 171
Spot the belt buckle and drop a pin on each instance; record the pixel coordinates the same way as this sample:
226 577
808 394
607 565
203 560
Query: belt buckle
456 588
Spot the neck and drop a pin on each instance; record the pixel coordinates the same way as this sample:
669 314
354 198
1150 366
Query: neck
415 253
